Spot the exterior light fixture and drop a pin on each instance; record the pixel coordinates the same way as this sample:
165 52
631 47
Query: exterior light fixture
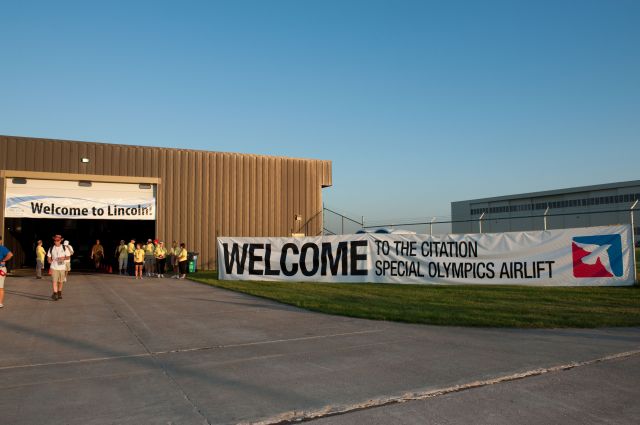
84 160
297 224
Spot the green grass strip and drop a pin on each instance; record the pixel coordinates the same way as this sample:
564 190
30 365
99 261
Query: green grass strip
454 305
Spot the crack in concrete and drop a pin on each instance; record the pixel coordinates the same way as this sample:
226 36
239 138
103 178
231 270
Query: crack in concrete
68 362
336 410
271 341
149 353
158 364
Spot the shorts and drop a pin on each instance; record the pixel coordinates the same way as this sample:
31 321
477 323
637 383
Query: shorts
2 276
139 263
67 267
58 275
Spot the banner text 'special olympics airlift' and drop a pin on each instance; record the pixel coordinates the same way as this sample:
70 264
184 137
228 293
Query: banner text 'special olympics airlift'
592 256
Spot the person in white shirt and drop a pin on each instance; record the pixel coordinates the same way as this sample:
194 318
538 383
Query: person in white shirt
67 263
56 257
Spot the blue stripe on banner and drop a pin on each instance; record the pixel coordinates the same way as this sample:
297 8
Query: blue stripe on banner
22 199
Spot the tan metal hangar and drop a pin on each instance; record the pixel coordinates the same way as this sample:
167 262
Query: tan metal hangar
87 191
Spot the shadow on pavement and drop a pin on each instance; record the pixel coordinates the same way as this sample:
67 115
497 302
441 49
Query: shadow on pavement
151 360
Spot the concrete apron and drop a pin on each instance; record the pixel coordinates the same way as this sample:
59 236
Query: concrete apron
117 350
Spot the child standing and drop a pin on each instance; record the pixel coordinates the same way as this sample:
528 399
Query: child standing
138 260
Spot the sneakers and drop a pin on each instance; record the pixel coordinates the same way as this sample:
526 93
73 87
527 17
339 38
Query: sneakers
1 305
59 295
54 296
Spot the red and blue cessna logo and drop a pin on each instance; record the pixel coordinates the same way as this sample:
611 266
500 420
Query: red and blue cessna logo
597 256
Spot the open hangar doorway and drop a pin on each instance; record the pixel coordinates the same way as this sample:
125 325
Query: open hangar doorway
23 233
82 211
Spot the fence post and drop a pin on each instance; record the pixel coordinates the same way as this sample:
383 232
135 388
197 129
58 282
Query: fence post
545 218
480 221
633 242
431 226
342 233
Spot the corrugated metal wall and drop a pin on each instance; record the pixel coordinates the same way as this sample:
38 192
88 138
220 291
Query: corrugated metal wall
202 195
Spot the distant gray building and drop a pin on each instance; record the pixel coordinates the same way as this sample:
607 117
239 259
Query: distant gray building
585 206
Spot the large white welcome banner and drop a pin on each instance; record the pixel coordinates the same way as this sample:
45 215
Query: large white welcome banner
593 256
33 198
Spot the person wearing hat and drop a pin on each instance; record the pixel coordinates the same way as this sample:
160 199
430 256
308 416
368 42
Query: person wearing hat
67 264
161 258
122 254
5 255
149 258
56 256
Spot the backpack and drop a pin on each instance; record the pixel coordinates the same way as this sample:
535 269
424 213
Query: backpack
67 250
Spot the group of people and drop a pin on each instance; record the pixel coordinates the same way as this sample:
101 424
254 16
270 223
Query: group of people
152 257
97 255
133 259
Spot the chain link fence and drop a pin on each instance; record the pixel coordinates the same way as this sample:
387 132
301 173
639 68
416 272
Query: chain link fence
339 224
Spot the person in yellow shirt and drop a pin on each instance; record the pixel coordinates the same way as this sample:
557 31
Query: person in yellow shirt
138 260
40 254
174 251
161 258
122 253
149 259
182 261
131 247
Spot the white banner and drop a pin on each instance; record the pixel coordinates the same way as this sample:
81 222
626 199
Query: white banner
593 256
32 198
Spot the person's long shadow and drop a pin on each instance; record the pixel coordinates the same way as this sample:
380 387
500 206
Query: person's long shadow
27 295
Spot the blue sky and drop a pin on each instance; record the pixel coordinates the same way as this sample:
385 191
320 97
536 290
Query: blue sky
417 103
